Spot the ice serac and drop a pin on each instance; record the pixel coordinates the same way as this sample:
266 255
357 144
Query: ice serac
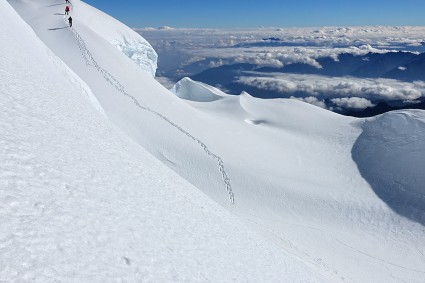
196 91
119 35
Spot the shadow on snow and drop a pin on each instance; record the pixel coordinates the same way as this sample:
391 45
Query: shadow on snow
390 155
58 28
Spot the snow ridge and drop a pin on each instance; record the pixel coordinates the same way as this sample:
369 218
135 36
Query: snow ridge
188 89
90 61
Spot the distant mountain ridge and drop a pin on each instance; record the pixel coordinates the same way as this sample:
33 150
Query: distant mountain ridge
400 65
411 71
381 108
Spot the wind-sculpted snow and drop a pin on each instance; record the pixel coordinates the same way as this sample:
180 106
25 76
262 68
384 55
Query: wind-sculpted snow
196 91
301 136
122 37
390 155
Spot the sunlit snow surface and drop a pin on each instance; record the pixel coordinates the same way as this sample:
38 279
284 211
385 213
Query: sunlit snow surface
83 202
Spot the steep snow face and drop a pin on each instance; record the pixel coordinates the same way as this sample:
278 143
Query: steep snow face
83 88
289 165
196 91
119 35
81 202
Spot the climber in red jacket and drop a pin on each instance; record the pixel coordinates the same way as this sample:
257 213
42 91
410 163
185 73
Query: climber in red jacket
67 10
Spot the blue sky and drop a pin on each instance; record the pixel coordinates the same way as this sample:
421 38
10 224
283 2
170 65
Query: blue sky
255 13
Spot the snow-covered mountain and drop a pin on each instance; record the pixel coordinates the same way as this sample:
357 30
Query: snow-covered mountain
410 71
300 194
80 201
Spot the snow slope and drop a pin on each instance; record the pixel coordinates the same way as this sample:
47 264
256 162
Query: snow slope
306 184
80 201
289 169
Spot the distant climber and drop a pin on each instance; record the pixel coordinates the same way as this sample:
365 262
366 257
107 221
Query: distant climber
66 1
67 10
70 22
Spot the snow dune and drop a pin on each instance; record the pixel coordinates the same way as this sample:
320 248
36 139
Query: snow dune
294 173
308 182
196 91
390 154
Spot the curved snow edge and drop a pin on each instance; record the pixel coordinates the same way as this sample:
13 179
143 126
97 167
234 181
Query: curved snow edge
189 89
124 38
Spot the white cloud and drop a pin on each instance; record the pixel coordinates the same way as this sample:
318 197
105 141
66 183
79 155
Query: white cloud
215 63
335 87
280 56
311 100
200 49
296 45
357 103
166 28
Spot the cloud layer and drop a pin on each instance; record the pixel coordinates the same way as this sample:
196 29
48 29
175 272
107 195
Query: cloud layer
279 46
357 103
345 92
186 52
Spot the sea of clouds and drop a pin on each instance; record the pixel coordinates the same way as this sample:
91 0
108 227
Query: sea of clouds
345 92
187 52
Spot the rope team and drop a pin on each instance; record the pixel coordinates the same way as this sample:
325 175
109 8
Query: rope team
67 13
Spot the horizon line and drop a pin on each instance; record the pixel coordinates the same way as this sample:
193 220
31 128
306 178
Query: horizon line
165 28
